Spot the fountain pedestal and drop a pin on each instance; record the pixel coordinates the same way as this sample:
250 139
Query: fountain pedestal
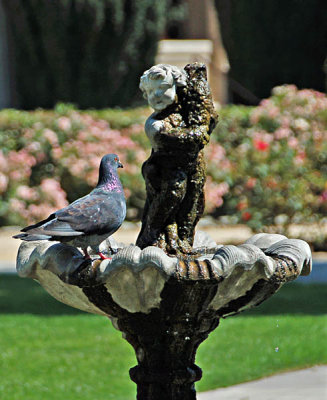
165 341
166 306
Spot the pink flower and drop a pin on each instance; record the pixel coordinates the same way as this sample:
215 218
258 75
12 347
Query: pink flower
317 135
17 205
323 196
214 193
216 152
26 193
251 182
51 136
125 143
53 193
299 158
19 174
64 123
57 152
21 157
33 147
242 205
301 124
273 112
3 182
255 116
293 142
246 216
3 162
260 145
282 133
285 121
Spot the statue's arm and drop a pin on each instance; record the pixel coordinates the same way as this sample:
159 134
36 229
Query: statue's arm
173 127
153 125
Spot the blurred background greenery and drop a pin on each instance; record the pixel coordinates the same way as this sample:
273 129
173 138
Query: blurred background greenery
72 59
69 73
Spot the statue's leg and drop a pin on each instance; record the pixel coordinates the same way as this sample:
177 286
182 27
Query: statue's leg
150 173
163 206
192 207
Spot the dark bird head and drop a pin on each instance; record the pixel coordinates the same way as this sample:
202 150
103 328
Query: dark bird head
111 160
108 169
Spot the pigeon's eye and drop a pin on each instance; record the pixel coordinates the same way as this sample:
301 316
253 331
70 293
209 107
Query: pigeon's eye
116 159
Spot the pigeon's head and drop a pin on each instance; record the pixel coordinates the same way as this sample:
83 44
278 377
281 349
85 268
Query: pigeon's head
108 169
110 161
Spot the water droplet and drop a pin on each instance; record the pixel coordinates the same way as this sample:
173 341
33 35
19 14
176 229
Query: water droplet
187 319
187 338
175 333
276 349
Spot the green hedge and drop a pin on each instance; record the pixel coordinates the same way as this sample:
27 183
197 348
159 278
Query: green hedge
267 165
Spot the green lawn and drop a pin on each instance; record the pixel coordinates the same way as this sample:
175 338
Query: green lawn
53 352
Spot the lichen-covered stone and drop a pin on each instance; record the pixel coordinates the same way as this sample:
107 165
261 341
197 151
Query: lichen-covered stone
175 172
134 279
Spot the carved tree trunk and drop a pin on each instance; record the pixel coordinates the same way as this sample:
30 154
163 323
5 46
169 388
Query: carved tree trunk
175 174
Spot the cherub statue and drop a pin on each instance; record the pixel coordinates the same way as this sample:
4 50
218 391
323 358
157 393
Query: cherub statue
179 128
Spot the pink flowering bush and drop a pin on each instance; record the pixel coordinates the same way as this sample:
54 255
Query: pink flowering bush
48 159
274 160
267 165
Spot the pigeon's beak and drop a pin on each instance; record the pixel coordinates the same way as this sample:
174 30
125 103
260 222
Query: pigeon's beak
120 165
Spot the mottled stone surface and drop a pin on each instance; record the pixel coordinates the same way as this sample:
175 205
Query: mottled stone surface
135 278
175 172
166 306
167 293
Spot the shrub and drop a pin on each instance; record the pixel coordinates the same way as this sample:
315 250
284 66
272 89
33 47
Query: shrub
267 165
273 159
90 52
263 54
48 159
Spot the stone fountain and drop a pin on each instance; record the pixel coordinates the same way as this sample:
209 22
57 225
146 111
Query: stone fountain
168 292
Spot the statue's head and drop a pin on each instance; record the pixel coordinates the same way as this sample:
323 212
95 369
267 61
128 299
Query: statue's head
159 84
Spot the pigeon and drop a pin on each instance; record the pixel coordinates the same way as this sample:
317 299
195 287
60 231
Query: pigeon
87 221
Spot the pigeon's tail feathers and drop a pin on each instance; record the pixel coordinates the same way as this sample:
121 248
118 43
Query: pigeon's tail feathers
52 227
30 238
44 221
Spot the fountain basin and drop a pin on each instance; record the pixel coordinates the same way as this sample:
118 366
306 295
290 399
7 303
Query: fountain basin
244 275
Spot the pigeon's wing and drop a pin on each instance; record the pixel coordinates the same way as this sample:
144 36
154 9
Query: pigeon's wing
97 213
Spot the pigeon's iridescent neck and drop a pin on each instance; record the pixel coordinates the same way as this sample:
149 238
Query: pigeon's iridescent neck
112 184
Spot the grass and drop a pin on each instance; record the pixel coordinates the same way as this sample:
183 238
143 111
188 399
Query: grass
49 350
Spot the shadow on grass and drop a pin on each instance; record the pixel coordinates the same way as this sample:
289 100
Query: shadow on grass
25 296
294 298
18 296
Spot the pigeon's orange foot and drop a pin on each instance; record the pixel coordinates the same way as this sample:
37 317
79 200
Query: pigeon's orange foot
103 257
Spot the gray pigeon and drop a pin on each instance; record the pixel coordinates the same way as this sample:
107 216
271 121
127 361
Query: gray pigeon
90 220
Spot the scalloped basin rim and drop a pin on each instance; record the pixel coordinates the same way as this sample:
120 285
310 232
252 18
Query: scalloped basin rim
135 278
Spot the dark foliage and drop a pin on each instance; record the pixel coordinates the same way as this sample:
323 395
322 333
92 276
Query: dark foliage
274 42
89 52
